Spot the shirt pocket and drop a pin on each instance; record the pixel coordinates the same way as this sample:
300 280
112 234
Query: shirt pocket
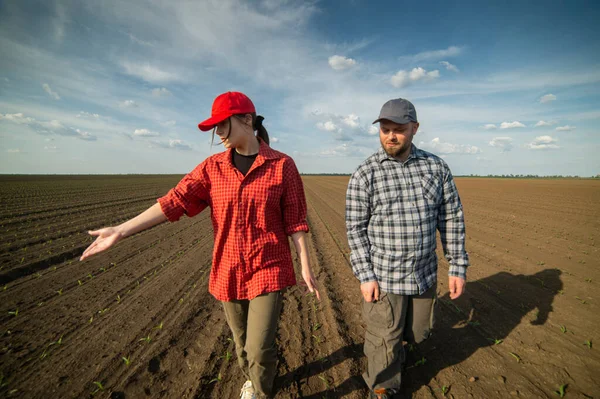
432 190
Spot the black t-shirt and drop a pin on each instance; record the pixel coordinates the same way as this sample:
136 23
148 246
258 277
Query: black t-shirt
243 163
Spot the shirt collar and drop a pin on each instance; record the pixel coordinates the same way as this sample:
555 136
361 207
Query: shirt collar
414 153
264 152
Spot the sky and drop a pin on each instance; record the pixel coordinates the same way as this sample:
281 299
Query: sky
119 86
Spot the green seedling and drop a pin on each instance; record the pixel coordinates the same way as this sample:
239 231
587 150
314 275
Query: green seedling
324 379
99 387
103 311
583 302
217 379
495 341
563 329
317 339
38 275
118 298
562 390
146 339
588 343
227 356
59 292
126 360
160 326
79 282
412 347
14 313
91 319
316 326
561 292
102 269
90 275
40 304
588 280
517 357
541 263
445 390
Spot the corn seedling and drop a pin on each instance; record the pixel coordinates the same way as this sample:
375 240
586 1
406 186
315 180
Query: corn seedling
445 389
588 343
317 339
227 356
562 390
99 387
583 302
217 379
517 357
102 269
91 319
160 326
588 280
316 326
418 363
79 282
495 341
324 379
146 339
126 360
59 292
14 313
563 329
103 311
118 298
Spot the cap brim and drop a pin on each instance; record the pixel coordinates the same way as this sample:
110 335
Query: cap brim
400 121
211 122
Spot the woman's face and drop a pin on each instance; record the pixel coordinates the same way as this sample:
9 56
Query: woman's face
241 130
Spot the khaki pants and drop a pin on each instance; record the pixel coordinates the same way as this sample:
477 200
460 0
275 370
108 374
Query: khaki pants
391 320
254 326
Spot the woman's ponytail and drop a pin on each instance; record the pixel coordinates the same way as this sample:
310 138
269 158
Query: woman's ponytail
260 129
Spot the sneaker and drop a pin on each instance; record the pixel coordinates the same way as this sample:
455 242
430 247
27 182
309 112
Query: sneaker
381 393
247 391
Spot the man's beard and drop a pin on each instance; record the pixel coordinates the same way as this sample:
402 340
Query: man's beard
395 152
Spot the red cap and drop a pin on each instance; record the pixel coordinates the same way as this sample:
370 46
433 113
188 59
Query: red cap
226 105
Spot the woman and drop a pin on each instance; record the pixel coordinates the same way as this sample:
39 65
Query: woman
257 199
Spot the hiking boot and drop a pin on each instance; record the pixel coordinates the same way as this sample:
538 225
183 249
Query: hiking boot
247 391
380 393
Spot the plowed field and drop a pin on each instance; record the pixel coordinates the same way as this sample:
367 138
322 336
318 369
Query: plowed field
137 321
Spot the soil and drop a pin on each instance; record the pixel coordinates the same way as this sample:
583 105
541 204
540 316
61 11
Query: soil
137 321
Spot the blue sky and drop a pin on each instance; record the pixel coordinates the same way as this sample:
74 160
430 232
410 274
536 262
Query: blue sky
118 86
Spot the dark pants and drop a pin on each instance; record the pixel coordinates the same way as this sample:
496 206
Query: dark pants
254 326
390 321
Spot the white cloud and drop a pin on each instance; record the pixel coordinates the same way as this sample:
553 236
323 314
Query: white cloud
511 125
173 145
490 126
129 104
274 139
339 63
352 121
48 127
449 66
543 143
149 73
543 123
547 98
161 92
145 133
451 51
438 147
328 126
504 143
566 128
83 114
48 90
404 78
170 123
50 148
373 130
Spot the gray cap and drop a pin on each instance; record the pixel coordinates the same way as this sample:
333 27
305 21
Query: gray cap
399 111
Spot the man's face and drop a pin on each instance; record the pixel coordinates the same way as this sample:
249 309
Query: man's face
396 139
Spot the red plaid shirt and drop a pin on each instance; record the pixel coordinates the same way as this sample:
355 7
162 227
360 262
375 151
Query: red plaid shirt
252 216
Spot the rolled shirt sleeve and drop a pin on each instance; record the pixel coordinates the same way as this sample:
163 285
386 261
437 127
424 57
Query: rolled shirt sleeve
294 199
189 197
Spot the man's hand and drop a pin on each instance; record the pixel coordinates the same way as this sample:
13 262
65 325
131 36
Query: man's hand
456 285
370 291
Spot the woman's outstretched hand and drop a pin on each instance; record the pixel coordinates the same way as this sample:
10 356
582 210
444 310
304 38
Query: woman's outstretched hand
310 281
106 238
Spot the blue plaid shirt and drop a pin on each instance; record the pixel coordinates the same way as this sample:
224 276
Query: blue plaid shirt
393 209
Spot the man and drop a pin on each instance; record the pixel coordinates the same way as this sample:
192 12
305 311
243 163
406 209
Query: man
396 200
